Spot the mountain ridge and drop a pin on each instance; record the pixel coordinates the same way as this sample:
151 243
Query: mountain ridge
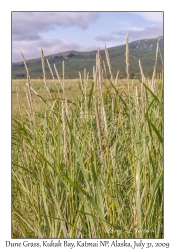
75 61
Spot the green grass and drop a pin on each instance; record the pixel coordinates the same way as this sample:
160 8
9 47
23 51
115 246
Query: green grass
89 166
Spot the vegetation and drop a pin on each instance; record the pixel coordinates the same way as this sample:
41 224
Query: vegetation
88 165
77 61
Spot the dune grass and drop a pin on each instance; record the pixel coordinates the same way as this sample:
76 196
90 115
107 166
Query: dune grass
88 165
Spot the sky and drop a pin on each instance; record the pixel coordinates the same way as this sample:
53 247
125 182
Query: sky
57 32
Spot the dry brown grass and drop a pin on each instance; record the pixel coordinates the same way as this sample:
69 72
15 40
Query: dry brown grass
71 87
71 91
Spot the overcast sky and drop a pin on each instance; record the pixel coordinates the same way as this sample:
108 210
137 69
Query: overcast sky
57 32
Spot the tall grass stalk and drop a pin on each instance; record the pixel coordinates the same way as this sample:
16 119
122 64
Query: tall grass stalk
59 80
18 101
50 68
116 79
127 56
44 73
108 63
64 132
28 90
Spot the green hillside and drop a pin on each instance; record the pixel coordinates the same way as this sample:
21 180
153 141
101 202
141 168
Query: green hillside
145 50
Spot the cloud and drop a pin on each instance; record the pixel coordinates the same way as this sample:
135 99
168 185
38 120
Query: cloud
124 23
135 33
32 49
146 33
151 16
128 26
29 25
105 38
27 28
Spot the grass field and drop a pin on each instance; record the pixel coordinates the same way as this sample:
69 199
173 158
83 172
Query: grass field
87 157
19 86
71 87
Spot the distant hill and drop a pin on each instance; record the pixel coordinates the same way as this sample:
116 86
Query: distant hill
145 50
